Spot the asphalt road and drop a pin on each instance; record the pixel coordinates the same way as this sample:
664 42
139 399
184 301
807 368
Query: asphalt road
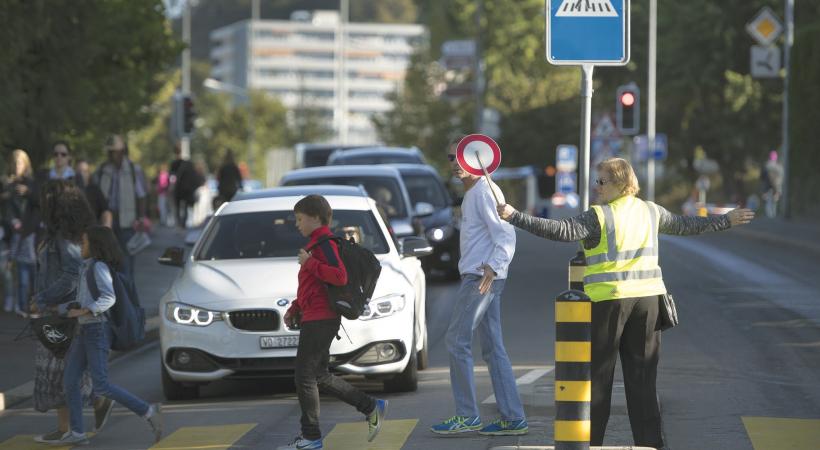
742 365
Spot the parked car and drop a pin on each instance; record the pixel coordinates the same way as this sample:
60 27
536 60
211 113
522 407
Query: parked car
222 318
428 194
376 155
315 155
384 184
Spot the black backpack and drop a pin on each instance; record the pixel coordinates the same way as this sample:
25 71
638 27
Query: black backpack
363 269
126 317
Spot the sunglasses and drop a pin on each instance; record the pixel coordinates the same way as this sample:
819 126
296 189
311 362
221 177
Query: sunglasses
60 154
451 157
601 181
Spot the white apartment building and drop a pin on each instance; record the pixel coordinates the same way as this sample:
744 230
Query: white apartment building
306 63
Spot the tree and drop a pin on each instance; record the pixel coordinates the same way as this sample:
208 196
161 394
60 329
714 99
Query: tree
79 70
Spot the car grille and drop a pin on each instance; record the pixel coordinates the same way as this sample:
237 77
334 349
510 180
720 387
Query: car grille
255 319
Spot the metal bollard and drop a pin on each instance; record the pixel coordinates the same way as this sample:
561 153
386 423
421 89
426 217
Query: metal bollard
573 370
576 271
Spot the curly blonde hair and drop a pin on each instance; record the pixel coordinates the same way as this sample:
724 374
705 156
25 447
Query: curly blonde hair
621 174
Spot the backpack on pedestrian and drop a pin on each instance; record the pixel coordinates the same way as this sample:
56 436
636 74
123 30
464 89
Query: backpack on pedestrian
126 317
363 270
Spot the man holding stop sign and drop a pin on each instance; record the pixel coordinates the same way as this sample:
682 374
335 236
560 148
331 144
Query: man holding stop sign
487 248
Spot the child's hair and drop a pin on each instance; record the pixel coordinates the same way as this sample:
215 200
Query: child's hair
103 246
315 206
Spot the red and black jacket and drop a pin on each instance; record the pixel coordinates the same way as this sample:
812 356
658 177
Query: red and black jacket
323 267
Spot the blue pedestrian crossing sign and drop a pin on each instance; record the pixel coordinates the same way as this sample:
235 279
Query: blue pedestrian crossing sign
592 32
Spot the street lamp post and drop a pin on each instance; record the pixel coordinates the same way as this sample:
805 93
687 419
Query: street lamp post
216 85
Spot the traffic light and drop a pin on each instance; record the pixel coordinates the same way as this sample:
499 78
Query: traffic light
628 109
188 114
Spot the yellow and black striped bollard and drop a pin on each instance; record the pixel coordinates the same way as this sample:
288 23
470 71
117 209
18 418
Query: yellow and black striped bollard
573 370
576 271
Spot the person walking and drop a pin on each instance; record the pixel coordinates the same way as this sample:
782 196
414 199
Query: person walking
487 248
22 215
66 214
773 171
319 324
183 185
6 276
623 279
92 343
93 194
122 183
61 169
163 184
228 177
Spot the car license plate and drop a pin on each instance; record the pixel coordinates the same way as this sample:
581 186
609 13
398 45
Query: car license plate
278 341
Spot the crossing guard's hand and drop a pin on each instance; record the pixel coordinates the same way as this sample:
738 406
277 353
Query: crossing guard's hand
486 280
740 216
505 211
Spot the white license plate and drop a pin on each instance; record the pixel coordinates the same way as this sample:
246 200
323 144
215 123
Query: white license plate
278 341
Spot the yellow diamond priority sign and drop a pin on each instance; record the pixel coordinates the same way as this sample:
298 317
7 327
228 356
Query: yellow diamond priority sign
765 27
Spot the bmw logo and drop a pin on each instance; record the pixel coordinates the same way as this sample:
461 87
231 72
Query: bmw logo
283 302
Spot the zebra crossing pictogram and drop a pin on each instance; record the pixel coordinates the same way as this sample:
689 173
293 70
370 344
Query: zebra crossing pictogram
586 8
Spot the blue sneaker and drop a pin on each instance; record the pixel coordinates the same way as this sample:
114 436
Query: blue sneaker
457 424
301 443
506 428
375 419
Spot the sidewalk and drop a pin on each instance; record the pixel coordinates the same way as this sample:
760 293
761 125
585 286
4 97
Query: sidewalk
152 280
799 233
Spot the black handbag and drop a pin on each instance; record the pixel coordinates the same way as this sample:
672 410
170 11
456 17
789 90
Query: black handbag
55 333
667 313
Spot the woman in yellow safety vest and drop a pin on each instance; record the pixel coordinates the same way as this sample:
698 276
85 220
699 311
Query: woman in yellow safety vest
623 280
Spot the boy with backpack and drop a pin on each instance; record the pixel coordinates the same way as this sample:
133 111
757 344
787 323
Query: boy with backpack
311 312
97 294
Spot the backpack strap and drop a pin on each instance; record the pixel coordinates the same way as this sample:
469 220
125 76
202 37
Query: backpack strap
91 281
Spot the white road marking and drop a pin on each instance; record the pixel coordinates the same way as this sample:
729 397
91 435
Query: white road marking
527 378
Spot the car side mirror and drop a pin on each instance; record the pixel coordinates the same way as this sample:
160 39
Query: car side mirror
173 256
415 246
424 209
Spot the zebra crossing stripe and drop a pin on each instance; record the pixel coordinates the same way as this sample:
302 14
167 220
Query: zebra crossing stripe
212 437
26 442
346 436
772 433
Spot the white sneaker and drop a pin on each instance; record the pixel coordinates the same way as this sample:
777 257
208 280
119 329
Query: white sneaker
154 419
71 438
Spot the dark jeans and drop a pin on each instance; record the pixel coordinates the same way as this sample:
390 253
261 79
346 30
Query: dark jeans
627 326
312 373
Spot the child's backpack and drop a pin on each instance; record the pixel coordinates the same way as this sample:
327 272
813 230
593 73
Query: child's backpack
363 269
126 317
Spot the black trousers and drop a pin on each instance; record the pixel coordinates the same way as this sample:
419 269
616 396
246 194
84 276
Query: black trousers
312 373
626 326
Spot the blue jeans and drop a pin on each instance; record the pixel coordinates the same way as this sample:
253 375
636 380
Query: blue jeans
5 274
25 276
473 310
89 349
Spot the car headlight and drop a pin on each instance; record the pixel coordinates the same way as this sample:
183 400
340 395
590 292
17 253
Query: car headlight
439 234
382 307
190 315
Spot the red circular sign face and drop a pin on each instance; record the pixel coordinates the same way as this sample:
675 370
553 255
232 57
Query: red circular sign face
476 150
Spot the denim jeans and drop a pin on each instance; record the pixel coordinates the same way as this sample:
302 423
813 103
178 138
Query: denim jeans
123 236
25 277
89 349
5 272
311 374
483 312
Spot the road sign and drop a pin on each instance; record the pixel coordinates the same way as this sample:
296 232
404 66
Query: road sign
477 150
765 61
765 27
588 32
565 182
642 147
566 158
605 128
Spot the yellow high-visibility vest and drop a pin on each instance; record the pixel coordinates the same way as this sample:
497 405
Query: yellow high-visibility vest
625 262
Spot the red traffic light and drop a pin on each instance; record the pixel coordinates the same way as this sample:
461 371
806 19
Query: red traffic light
627 99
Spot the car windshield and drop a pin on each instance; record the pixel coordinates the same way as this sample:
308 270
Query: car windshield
273 234
426 188
384 190
398 158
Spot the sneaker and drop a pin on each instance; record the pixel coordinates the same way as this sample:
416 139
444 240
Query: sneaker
301 443
71 438
154 419
457 424
374 420
102 413
49 438
506 428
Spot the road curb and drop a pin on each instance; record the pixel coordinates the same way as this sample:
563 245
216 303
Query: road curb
25 391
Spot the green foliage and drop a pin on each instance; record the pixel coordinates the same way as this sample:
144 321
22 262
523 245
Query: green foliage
79 70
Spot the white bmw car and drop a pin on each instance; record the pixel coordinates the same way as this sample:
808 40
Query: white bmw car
222 317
